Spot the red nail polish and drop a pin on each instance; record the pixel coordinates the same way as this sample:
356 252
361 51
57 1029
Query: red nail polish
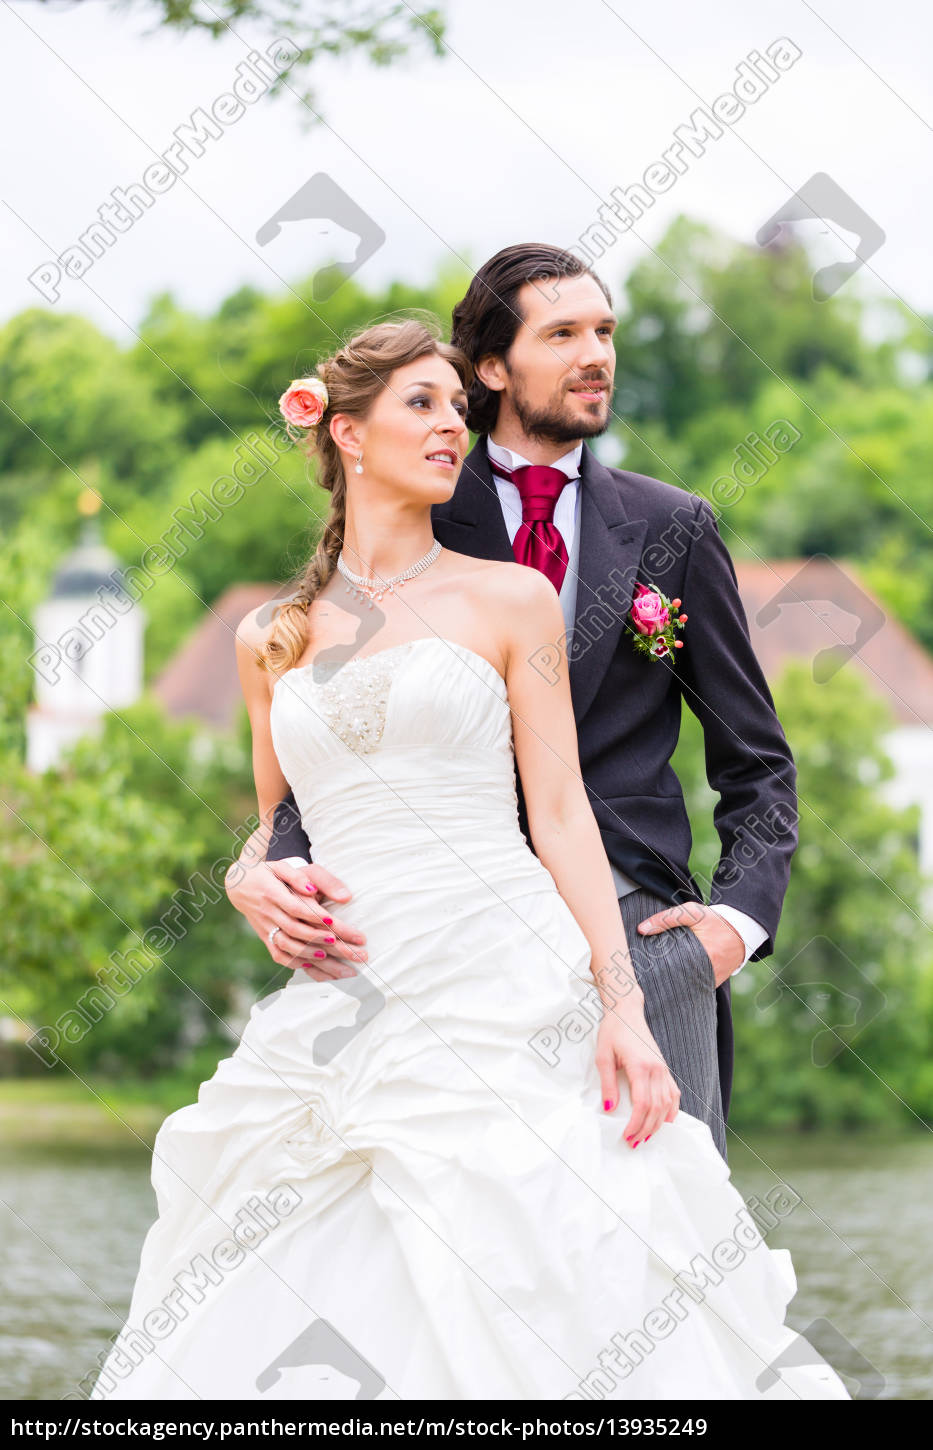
327 920
330 938
607 1104
320 954
309 886
636 1142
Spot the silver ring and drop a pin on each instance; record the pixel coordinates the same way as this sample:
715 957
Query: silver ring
272 933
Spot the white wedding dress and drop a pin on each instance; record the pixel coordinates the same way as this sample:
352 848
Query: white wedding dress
391 1190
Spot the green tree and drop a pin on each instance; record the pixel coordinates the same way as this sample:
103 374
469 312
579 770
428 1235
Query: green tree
708 321
71 405
116 937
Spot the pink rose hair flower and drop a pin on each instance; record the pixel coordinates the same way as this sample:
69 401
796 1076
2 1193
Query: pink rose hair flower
304 402
653 619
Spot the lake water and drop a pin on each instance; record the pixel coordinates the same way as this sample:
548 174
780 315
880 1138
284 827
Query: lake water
74 1221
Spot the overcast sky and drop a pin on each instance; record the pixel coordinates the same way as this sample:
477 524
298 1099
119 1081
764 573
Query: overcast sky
537 112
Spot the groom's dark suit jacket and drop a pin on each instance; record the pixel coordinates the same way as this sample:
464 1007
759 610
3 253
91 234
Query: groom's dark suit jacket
628 708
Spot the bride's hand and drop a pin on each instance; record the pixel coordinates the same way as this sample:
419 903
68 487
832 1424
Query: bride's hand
275 893
625 1042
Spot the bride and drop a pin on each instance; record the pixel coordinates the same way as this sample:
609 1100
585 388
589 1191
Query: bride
389 1191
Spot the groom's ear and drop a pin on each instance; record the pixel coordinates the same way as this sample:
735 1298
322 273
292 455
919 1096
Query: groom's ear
491 372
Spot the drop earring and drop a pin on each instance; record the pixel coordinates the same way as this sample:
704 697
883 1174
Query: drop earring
358 466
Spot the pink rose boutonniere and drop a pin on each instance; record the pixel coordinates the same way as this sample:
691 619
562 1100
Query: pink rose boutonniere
304 402
654 619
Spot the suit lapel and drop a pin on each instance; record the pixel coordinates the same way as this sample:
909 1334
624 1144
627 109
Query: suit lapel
610 553
471 522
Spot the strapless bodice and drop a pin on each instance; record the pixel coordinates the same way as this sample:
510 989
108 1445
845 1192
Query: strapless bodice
402 761
362 705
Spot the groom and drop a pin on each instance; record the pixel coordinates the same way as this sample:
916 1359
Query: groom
537 325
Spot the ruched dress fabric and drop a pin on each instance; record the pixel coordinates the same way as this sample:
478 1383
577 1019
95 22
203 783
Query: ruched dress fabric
404 1185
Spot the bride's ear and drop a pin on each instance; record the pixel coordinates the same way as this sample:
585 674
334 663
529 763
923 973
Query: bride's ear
346 433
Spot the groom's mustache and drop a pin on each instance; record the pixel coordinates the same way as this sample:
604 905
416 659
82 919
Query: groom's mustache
578 378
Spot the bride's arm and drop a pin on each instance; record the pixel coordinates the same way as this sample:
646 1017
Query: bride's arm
566 838
280 893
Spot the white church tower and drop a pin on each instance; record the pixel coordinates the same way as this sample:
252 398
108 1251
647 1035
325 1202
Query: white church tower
88 651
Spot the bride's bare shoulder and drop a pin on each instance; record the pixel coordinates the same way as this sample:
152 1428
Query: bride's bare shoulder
520 604
251 636
518 586
528 613
255 628
513 581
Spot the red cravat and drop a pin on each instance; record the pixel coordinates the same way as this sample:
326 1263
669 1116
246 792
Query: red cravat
539 542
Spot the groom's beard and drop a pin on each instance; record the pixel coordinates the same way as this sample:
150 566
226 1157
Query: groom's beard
555 423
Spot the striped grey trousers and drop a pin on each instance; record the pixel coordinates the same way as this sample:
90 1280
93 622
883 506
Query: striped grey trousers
676 977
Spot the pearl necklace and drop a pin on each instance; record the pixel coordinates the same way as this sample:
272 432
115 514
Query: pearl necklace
371 588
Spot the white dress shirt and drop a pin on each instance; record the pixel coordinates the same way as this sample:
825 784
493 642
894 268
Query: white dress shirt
565 513
565 509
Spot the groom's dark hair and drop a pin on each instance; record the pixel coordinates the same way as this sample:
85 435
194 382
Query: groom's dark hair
487 319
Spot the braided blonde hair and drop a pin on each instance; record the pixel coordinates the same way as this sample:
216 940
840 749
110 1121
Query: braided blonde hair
354 377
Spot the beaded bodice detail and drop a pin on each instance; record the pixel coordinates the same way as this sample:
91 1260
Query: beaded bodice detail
351 696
